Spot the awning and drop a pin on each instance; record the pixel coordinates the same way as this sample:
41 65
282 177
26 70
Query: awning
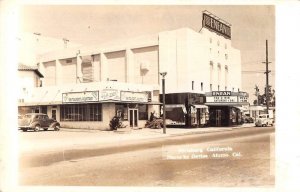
201 106
174 105
170 106
241 108
256 108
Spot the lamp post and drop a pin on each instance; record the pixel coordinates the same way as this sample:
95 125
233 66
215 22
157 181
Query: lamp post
163 74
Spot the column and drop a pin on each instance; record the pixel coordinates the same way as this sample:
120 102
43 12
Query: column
79 74
129 77
104 73
58 72
96 67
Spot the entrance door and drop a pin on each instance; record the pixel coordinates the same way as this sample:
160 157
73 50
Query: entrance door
133 117
53 114
218 117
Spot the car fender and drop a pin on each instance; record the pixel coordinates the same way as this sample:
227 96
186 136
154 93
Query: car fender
54 124
32 125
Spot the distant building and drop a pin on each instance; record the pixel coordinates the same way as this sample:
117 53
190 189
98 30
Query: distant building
29 77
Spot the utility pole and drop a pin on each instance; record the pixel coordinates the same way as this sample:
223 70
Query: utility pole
267 77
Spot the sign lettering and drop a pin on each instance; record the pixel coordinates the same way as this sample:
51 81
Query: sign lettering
134 96
216 26
80 97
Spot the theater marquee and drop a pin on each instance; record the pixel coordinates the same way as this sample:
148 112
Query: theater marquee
216 25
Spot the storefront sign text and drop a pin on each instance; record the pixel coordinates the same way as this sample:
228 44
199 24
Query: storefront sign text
221 99
134 96
216 26
221 93
109 94
80 97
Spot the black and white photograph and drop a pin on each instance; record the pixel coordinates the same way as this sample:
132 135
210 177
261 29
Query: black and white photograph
155 96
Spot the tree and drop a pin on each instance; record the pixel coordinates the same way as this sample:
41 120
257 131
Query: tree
262 99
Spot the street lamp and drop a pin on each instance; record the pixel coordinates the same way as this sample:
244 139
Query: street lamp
163 74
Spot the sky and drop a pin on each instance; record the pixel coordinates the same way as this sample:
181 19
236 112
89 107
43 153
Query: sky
96 24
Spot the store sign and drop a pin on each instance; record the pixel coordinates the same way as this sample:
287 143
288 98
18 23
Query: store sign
243 99
110 94
221 93
221 99
134 96
80 97
216 25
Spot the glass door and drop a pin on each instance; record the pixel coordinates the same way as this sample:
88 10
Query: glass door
133 117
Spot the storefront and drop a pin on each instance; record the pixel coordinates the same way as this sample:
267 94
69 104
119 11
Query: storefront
225 107
93 108
185 110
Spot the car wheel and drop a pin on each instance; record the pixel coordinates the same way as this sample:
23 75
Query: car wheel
45 129
24 130
37 128
56 128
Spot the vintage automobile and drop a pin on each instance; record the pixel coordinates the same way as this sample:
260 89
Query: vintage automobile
248 119
264 120
37 121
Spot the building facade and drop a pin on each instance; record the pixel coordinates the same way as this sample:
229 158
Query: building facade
123 78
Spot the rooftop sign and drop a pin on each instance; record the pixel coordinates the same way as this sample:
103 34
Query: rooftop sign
215 24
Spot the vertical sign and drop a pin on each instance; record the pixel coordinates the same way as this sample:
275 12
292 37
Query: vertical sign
216 26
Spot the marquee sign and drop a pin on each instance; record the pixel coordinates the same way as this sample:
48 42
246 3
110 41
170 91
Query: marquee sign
227 97
216 26
80 97
134 96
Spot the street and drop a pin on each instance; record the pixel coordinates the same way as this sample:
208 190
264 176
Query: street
233 161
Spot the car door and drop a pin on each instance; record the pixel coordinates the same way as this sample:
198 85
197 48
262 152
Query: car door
46 121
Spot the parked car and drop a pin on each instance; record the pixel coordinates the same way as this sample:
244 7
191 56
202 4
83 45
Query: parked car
37 121
264 120
248 119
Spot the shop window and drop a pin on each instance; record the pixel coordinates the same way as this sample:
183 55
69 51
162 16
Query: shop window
122 111
143 112
81 112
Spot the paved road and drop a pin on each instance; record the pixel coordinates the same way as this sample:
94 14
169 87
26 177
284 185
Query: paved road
245 160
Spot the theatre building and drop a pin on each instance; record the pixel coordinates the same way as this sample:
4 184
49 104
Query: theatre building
85 87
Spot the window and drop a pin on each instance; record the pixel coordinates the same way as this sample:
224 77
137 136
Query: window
219 73
210 87
225 46
211 65
143 112
192 85
81 112
226 56
226 75
218 87
210 40
122 111
218 43
201 86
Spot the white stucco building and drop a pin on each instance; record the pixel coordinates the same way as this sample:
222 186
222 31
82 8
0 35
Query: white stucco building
125 76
